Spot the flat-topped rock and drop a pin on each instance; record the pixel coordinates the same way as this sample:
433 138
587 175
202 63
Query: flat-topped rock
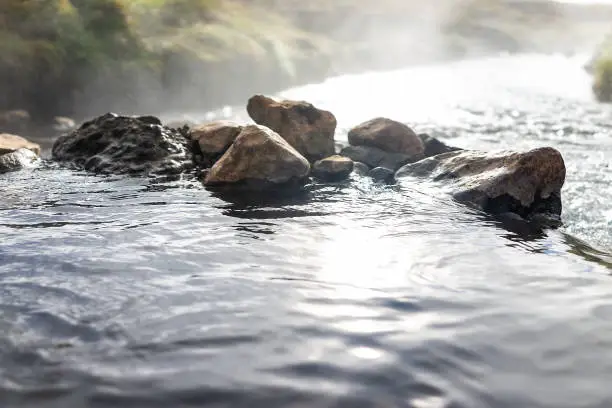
259 158
524 183
10 143
333 168
125 145
308 129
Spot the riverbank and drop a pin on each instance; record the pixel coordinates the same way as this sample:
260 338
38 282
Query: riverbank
204 57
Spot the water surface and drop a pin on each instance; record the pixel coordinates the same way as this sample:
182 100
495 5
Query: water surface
128 292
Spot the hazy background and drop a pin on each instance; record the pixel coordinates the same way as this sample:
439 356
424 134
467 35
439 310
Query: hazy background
84 57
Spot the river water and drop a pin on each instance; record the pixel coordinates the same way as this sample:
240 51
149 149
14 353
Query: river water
128 292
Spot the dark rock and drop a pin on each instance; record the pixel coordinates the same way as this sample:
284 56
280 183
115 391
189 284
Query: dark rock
17 160
361 168
125 145
387 135
526 183
10 143
214 139
333 168
375 157
308 129
434 146
382 174
259 158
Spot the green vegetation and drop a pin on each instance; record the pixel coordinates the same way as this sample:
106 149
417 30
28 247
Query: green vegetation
78 57
601 68
55 50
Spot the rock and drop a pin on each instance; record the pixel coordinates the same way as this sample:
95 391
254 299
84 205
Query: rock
375 157
308 129
526 183
259 158
333 168
17 160
121 144
10 143
387 135
361 168
382 174
214 139
433 146
17 120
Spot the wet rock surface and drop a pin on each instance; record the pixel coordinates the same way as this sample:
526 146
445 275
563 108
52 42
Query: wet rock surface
333 168
214 139
125 145
375 157
382 174
308 129
388 135
526 183
17 159
259 158
433 146
10 143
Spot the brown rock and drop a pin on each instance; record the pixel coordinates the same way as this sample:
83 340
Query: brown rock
215 138
387 135
333 168
522 183
308 129
9 143
259 157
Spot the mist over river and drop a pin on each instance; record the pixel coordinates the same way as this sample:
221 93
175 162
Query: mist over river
134 292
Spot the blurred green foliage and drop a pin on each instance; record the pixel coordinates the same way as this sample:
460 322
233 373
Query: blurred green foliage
52 49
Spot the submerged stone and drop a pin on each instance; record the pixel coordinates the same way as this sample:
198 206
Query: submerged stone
259 158
308 129
125 145
526 184
382 174
375 157
361 169
333 168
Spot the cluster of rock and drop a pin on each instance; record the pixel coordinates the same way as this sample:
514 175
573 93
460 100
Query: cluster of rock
292 141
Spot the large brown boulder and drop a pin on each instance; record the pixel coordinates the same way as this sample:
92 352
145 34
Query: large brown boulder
526 183
123 144
387 135
308 129
10 143
259 158
214 139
